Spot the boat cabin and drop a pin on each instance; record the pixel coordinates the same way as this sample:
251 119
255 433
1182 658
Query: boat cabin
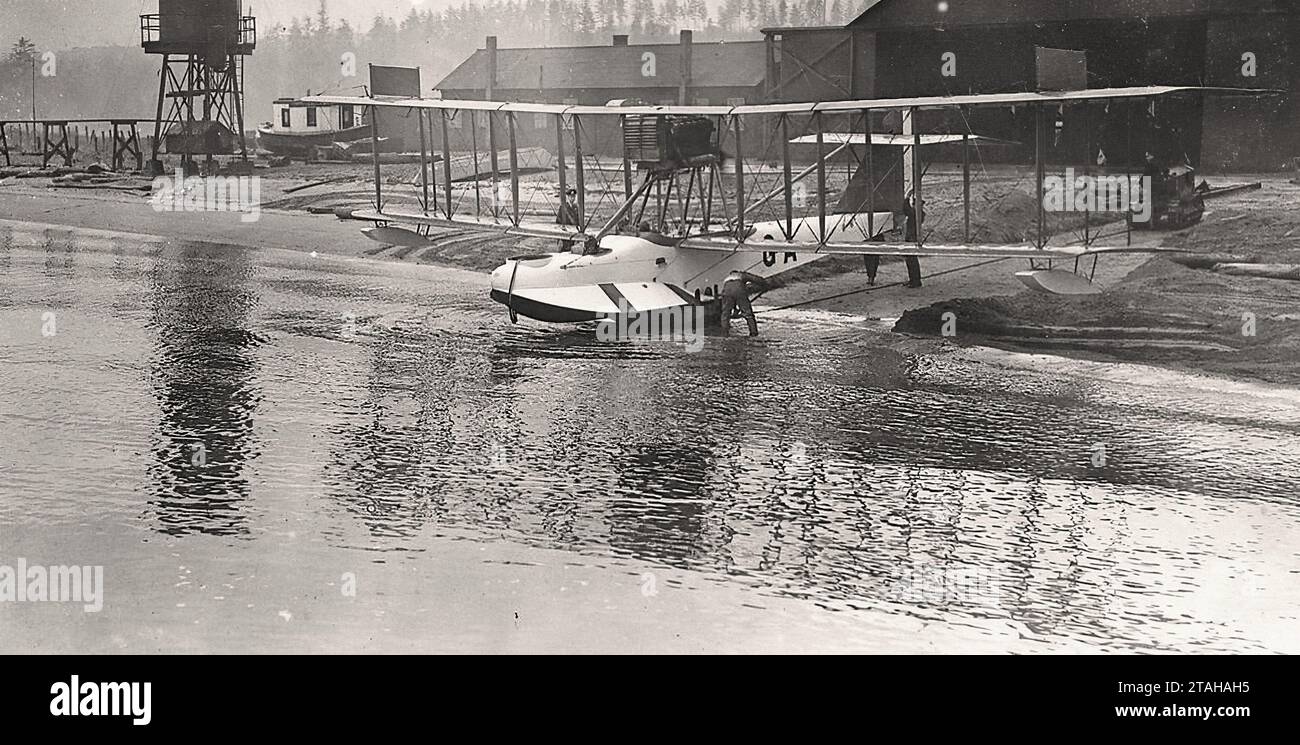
293 116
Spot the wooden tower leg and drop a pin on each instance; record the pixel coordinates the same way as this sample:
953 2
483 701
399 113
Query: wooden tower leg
136 150
236 92
126 141
117 147
155 164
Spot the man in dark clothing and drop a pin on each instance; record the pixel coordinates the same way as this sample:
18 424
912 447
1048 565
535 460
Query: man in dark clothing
736 289
872 264
568 215
913 271
909 235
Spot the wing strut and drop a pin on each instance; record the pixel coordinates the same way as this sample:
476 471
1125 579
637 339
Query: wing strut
740 180
446 164
626 207
374 156
424 163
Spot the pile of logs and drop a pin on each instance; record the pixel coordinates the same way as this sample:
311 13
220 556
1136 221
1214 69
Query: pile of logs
94 176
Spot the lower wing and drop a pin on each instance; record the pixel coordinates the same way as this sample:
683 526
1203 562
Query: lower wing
963 251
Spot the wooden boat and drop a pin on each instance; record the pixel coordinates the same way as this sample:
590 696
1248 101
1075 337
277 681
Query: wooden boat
300 127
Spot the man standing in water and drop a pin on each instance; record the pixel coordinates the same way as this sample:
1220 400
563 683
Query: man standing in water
736 289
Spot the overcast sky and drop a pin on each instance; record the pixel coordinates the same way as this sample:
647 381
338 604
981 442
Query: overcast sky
55 24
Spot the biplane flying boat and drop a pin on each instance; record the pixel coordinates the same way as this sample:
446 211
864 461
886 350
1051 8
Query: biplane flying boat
669 200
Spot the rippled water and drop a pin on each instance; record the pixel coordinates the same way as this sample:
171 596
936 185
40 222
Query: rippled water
229 430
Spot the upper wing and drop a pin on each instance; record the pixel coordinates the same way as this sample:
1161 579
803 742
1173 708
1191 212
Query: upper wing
870 104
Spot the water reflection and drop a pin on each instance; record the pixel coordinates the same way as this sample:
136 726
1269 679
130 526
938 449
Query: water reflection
862 492
6 255
204 378
390 459
60 248
662 502
815 462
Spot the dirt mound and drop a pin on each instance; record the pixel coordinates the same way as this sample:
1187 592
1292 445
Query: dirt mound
1162 313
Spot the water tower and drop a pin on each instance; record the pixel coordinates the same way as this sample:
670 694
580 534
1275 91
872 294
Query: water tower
200 89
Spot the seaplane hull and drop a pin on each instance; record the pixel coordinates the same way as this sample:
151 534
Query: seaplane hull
631 274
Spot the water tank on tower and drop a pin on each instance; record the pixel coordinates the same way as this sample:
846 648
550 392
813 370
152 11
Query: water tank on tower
200 94
196 21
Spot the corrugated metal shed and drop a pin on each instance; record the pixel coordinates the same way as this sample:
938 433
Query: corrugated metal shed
924 47
957 13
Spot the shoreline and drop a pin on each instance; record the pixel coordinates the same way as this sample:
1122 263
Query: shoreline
1154 311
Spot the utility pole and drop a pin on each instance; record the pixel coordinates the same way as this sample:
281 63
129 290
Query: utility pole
33 87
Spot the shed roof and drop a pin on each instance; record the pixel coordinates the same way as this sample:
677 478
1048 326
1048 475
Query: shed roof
714 64
904 13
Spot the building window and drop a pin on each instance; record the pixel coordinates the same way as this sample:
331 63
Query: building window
347 119
311 116
539 120
701 102
736 101
285 117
